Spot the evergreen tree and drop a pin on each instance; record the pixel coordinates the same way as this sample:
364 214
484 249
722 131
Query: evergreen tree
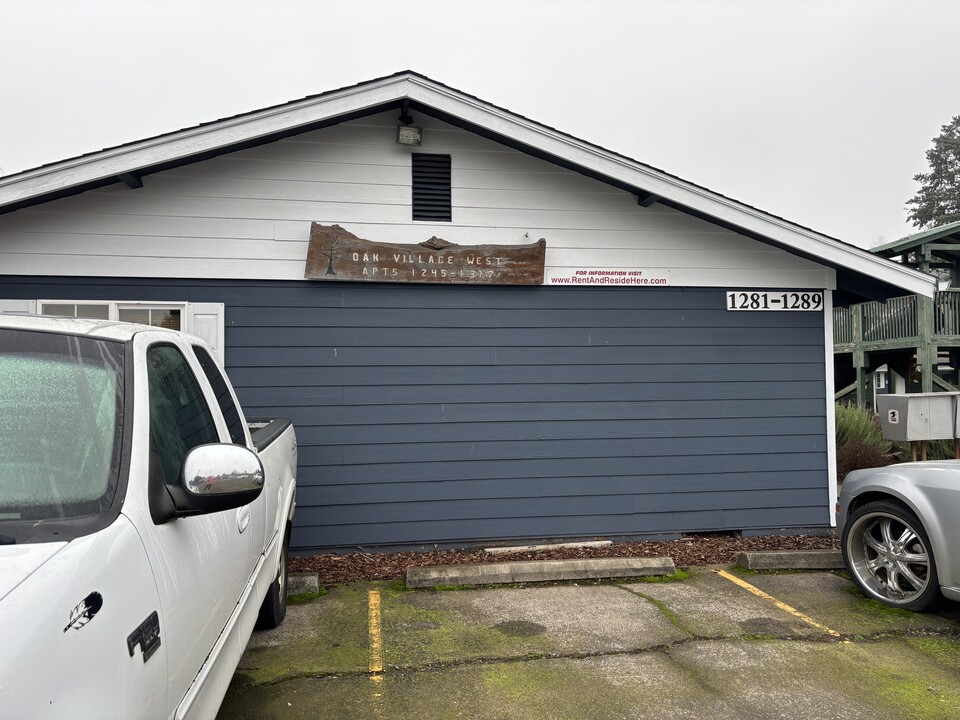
938 200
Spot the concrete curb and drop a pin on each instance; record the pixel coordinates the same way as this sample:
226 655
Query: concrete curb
587 569
537 571
302 582
791 560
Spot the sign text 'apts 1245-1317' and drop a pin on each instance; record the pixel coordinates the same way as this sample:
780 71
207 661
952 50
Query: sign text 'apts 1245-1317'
337 254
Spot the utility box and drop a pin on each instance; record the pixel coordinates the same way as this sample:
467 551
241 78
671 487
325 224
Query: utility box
919 416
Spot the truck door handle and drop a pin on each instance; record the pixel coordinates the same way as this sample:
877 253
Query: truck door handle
243 518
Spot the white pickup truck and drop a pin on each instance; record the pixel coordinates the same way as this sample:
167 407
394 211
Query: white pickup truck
143 522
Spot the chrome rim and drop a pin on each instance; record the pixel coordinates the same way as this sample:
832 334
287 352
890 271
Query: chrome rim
889 558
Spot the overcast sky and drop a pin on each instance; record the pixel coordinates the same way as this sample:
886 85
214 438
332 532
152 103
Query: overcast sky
819 111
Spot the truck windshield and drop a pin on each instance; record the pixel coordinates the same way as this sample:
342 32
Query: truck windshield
61 406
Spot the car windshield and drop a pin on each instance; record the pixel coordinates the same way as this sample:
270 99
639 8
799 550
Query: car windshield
61 406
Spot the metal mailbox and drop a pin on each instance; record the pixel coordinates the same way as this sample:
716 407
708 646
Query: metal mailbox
919 416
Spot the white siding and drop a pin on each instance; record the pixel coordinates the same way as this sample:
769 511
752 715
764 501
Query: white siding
247 215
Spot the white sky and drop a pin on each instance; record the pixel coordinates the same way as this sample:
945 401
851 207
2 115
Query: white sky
819 111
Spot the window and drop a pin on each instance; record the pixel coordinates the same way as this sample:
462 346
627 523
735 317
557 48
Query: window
158 317
179 417
166 315
77 310
431 188
203 319
61 420
224 398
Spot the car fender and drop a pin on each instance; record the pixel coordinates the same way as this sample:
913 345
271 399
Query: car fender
83 635
901 484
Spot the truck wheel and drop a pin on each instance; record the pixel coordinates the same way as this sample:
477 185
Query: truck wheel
274 607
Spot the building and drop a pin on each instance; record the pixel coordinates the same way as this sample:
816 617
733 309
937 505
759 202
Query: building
910 343
661 363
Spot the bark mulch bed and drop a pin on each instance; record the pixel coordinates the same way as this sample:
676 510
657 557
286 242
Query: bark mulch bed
694 549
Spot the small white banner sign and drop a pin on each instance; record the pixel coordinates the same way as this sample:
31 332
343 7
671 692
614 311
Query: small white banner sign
607 276
791 300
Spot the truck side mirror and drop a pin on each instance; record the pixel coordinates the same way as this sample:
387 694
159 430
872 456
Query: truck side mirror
217 477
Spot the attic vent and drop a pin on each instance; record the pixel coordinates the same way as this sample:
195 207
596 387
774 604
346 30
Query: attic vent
431 187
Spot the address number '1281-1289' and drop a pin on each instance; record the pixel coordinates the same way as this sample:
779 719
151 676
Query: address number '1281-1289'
802 301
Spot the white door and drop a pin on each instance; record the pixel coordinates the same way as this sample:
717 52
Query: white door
201 563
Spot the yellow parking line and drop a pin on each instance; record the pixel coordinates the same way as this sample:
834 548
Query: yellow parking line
376 640
376 652
782 605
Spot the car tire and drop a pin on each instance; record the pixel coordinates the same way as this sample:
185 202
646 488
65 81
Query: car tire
887 551
274 607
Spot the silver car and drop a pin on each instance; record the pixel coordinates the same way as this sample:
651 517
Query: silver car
900 532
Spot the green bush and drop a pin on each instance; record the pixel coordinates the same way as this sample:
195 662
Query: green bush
936 450
861 427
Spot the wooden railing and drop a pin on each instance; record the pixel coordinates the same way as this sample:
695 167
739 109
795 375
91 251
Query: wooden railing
896 319
946 313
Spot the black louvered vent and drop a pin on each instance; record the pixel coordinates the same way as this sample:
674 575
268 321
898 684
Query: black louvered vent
431 187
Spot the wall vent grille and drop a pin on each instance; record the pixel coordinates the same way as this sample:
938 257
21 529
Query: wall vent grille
431 188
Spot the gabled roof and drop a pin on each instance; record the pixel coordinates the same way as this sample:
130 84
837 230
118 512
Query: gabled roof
859 271
945 240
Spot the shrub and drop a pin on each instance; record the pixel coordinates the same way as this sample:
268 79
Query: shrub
936 450
857 455
859 426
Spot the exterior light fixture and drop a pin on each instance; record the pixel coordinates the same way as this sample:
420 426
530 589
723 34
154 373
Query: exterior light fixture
408 134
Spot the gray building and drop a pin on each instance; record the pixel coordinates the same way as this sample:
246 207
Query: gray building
671 370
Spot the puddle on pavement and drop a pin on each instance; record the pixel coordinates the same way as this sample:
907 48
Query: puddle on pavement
520 628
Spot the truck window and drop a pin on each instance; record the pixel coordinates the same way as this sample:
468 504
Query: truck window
224 398
179 417
61 418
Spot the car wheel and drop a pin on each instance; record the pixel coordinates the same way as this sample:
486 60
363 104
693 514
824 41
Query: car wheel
888 553
274 607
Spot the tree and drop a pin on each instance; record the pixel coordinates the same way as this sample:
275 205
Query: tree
938 201
330 251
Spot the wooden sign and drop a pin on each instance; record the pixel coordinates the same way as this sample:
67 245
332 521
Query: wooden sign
337 254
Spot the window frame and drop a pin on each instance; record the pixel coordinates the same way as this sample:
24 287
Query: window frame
115 306
205 320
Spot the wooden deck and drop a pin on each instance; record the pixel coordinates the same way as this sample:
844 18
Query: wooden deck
921 330
898 323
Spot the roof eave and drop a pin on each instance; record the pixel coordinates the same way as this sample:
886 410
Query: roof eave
805 242
108 165
191 142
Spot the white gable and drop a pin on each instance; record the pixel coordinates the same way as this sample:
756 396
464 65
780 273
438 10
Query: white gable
247 214
130 160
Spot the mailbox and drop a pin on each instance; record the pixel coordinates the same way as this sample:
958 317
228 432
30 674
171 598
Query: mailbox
919 416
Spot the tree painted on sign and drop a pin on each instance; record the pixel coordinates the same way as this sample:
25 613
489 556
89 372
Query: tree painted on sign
331 250
938 200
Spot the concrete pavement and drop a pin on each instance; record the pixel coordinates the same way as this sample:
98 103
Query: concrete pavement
791 645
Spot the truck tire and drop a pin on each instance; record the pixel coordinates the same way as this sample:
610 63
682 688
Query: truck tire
274 607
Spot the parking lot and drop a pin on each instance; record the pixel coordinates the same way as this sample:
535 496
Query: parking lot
716 643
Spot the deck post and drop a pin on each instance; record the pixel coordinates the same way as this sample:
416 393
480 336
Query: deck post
927 352
861 386
859 357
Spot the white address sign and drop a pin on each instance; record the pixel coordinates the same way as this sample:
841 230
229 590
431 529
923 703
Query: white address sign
797 301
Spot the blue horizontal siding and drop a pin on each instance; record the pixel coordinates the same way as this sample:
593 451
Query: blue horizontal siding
430 414
442 489
585 468
338 415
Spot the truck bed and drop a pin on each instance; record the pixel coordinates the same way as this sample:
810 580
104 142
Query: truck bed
264 430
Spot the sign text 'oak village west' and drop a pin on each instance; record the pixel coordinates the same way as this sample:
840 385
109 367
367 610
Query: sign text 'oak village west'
337 254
